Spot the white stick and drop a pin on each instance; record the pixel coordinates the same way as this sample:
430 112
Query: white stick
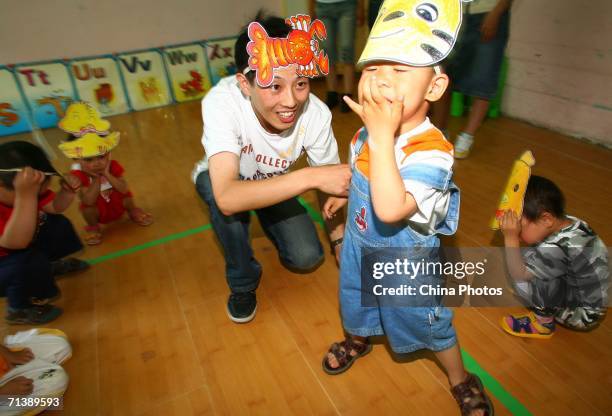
20 169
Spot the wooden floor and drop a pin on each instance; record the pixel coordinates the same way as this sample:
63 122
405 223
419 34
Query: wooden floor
151 335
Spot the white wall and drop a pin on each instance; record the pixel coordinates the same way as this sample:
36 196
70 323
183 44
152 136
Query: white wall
32 30
293 7
560 66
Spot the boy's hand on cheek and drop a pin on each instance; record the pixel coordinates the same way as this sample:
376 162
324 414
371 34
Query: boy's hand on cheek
381 114
106 172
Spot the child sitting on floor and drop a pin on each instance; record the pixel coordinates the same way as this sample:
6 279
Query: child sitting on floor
564 276
104 194
35 239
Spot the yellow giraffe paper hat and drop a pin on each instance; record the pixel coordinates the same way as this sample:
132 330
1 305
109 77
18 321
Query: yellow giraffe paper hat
413 32
91 132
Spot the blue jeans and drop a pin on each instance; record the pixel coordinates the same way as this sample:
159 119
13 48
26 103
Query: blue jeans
474 66
26 273
286 224
339 20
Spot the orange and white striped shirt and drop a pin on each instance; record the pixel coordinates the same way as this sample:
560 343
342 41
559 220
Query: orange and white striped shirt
423 145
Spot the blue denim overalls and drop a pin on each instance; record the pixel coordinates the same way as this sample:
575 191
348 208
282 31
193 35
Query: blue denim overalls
407 328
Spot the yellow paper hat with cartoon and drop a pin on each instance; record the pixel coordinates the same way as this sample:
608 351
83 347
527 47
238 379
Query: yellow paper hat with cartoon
91 132
413 32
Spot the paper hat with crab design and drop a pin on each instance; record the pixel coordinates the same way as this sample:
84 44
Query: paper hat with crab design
413 32
90 131
300 48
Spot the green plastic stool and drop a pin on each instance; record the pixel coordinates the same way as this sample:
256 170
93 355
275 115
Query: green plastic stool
458 100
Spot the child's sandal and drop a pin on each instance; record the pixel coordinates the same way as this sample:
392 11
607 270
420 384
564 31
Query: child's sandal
471 396
93 235
527 326
342 352
140 217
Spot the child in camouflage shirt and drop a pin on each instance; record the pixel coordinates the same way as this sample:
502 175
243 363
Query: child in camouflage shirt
564 275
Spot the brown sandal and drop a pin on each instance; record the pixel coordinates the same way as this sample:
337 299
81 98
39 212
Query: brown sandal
93 235
140 217
342 352
470 396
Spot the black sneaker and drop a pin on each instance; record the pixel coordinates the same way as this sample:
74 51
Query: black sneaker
68 265
332 99
34 315
241 307
45 301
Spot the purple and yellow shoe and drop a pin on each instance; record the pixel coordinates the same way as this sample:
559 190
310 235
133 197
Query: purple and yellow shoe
527 326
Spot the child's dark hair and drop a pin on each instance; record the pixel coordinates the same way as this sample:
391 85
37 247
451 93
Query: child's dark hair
6 179
541 196
276 28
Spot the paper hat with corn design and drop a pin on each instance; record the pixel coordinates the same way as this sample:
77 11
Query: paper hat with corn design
91 132
413 32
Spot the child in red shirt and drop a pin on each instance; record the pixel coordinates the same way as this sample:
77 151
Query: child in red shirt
34 238
104 192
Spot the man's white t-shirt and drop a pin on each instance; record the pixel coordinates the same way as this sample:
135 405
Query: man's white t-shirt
230 125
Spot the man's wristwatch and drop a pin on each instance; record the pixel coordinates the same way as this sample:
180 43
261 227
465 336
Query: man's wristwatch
334 243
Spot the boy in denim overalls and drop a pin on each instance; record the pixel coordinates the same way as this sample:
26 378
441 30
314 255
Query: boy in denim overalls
402 195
